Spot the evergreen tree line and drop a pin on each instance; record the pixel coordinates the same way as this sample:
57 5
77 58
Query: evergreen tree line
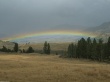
29 50
4 49
90 49
15 49
46 49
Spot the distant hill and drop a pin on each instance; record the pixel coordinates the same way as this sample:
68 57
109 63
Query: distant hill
105 27
102 31
7 44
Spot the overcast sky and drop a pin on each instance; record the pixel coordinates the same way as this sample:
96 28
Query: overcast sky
23 16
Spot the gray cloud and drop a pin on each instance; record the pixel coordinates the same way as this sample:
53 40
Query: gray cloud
18 16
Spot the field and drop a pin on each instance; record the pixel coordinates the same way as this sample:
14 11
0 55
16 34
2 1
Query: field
51 68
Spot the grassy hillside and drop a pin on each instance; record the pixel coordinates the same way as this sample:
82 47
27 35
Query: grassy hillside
39 46
7 44
51 68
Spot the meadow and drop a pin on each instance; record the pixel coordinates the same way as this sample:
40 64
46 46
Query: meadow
16 67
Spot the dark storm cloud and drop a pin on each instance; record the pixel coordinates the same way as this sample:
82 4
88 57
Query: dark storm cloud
18 16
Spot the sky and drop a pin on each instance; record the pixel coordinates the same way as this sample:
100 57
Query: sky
25 16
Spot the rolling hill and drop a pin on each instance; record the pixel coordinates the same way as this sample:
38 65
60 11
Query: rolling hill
102 31
7 44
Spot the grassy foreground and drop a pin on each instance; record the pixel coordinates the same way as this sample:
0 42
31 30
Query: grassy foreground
51 68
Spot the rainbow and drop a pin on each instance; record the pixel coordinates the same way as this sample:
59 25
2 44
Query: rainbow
48 33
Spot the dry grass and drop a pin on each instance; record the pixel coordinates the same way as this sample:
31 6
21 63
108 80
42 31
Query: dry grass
43 68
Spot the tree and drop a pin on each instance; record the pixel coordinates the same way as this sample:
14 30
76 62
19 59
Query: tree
107 49
100 50
94 50
71 50
16 47
9 50
46 48
4 49
82 48
88 54
24 51
30 50
78 50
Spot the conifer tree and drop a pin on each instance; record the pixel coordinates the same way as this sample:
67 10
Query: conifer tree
88 54
108 43
30 50
71 50
74 50
4 49
78 50
48 49
107 48
45 48
94 50
83 48
100 50
24 51
16 47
